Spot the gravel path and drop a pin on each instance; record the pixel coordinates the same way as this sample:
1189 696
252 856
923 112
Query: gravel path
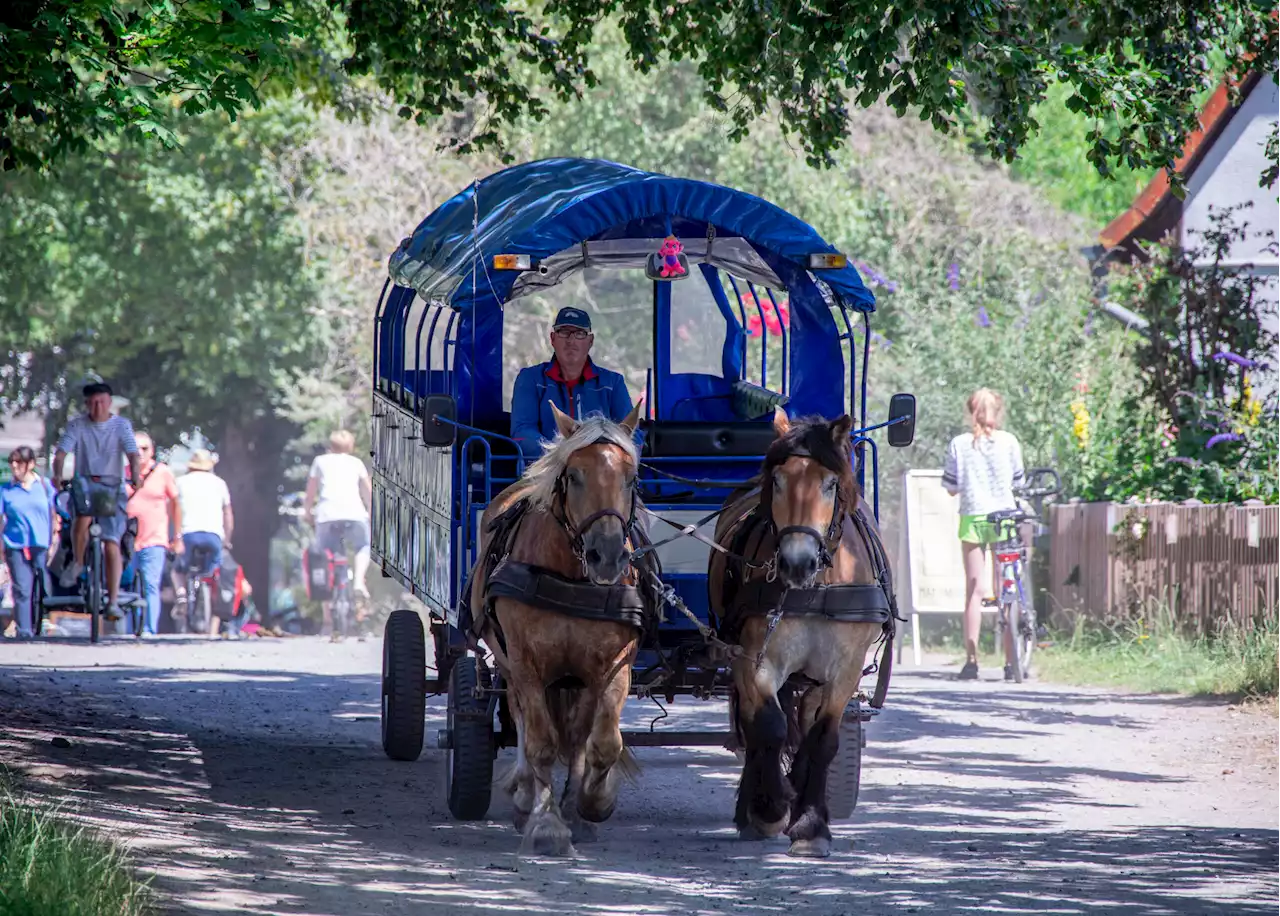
249 779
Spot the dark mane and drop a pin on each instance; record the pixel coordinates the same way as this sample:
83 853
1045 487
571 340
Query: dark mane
811 436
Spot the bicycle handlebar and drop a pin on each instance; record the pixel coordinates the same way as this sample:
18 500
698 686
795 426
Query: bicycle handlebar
1039 483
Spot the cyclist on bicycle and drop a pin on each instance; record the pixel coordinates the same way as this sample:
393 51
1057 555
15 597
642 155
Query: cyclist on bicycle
207 520
982 467
99 441
337 503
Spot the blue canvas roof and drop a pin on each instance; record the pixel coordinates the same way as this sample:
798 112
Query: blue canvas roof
540 208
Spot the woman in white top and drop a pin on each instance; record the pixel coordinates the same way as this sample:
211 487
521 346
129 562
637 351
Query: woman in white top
983 467
337 503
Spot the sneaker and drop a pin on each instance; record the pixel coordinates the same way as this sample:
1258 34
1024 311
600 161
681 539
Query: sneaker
70 575
969 672
1008 673
112 613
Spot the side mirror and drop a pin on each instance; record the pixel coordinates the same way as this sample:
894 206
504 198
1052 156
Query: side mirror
655 265
437 407
902 420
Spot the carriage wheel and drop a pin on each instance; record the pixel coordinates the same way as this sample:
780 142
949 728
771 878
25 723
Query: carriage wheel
845 773
469 767
404 686
93 593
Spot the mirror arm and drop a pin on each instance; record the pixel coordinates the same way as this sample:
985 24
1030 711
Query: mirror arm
867 429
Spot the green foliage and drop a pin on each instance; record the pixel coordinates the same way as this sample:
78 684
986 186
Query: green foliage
1052 160
1151 654
80 71
86 70
178 275
1196 427
51 867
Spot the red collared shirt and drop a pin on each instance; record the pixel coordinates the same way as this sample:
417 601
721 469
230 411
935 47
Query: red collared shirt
554 373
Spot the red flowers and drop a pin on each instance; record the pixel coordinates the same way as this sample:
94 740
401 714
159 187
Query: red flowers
774 319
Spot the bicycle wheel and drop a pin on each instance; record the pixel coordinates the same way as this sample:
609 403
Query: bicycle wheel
1026 639
341 611
93 585
1013 614
197 606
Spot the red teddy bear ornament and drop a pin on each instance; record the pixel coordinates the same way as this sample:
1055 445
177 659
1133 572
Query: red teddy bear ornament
670 252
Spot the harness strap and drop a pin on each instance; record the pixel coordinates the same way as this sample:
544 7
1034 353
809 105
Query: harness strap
845 603
544 589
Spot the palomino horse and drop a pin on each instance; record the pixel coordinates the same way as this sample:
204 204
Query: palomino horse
805 592
553 598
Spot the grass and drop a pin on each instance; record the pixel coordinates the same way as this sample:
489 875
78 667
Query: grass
49 866
1154 657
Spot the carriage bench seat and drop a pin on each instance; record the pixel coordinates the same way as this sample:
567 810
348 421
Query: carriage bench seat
670 438
750 401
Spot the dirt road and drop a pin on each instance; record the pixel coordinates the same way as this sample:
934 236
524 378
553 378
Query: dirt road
249 779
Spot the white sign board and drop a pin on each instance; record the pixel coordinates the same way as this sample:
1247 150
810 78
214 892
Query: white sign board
931 547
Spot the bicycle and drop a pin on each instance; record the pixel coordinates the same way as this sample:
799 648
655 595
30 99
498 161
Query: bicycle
91 587
1017 613
340 578
199 582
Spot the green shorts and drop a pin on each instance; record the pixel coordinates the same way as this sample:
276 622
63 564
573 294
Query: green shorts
975 529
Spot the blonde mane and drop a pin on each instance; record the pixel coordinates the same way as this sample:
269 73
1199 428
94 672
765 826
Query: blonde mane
539 482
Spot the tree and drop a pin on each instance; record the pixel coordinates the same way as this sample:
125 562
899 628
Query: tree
79 70
181 277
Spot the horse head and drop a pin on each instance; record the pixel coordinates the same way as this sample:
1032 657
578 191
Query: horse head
807 489
596 492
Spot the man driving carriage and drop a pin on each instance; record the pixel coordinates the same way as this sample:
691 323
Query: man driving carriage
570 380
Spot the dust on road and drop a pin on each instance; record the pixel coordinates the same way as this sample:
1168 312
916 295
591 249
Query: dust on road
249 778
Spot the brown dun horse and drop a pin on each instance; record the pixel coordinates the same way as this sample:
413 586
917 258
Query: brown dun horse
806 539
553 598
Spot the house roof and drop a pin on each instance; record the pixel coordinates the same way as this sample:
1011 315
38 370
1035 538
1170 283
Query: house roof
1155 210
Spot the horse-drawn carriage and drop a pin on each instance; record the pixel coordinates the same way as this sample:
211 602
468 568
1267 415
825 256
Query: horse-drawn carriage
748 323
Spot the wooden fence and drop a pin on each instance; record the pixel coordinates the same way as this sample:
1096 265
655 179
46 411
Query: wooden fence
1207 564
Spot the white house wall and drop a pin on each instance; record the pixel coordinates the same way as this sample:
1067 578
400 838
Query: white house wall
1228 176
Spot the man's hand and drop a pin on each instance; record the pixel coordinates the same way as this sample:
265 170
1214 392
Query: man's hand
177 546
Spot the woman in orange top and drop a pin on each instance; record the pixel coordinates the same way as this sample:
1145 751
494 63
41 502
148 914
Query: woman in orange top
155 505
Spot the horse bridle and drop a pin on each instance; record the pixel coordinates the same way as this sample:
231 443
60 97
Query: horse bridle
577 533
827 543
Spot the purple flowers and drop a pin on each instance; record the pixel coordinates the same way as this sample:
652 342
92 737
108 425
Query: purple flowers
1222 437
1242 361
884 342
953 276
983 320
873 277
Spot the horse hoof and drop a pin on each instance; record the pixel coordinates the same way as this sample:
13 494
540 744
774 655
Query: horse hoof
521 818
547 836
817 848
767 830
583 832
751 833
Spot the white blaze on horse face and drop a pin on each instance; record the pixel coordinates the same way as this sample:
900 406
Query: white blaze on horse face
804 493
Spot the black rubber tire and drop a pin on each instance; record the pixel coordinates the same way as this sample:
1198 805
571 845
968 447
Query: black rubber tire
93 588
342 614
1026 640
197 616
845 774
404 686
469 767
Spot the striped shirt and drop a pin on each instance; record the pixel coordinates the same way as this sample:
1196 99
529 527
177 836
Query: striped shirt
984 475
99 448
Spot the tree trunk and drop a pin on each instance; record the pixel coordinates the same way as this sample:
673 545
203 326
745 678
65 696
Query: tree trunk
250 460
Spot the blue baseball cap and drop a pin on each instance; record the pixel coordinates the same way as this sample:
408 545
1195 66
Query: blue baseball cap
572 317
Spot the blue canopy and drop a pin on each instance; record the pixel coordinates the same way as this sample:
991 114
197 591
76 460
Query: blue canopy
548 208
544 207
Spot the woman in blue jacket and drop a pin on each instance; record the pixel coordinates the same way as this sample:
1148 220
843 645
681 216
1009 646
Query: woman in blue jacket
26 510
570 380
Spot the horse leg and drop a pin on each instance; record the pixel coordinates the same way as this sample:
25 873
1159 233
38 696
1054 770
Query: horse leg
764 794
519 784
810 830
606 756
545 832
